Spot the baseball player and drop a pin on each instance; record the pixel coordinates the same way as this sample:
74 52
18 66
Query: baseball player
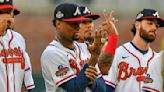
106 27
68 66
133 61
86 27
15 67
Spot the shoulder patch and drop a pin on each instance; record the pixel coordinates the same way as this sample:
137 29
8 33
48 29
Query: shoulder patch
61 70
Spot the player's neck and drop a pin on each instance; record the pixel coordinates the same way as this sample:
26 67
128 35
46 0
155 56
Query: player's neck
67 43
80 41
140 43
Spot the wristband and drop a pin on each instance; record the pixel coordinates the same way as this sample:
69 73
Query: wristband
112 44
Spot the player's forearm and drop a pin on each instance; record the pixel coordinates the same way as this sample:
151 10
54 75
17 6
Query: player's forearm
78 83
93 60
104 62
106 56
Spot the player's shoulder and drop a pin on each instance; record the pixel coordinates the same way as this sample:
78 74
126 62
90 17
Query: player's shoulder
16 34
121 48
54 48
18 38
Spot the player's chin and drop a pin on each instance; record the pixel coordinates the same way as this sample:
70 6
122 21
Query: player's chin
151 39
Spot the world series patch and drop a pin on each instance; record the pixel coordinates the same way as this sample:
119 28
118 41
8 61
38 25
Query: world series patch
61 70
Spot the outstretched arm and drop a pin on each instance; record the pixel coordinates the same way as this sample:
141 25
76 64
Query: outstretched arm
107 54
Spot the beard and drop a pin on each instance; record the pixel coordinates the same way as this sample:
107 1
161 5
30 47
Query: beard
146 36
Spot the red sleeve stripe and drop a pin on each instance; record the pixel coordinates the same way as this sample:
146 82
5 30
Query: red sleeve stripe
27 69
29 86
150 89
65 79
110 83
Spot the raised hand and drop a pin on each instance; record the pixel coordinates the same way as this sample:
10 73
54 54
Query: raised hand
109 24
95 49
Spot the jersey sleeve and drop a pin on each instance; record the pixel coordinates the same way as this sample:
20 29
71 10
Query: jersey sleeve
99 85
55 68
28 79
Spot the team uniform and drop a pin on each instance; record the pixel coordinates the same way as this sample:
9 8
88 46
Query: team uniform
15 64
60 64
130 69
155 71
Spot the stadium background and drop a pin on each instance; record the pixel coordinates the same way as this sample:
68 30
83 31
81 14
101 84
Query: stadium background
35 24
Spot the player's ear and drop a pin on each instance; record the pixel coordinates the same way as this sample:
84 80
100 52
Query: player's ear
137 25
57 24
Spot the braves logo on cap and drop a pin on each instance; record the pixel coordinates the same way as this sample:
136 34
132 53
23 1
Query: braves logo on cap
156 14
77 12
86 11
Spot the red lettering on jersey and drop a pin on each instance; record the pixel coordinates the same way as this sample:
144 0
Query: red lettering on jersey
11 52
19 58
125 71
83 62
73 65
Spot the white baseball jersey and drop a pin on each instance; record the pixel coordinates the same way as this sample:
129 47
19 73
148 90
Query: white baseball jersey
129 69
15 63
60 64
155 72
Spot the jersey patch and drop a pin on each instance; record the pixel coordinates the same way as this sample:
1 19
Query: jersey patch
148 79
61 70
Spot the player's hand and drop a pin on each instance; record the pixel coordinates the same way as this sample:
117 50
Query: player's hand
95 49
91 73
109 24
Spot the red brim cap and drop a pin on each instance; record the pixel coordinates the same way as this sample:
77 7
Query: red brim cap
75 19
16 11
92 16
160 20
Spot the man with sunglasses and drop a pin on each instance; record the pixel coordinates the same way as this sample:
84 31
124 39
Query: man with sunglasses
15 67
136 67
68 66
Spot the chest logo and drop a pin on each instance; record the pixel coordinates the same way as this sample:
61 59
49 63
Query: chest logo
74 65
12 55
126 72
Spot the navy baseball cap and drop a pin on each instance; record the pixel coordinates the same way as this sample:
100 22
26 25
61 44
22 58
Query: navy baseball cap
85 12
150 14
68 12
8 4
